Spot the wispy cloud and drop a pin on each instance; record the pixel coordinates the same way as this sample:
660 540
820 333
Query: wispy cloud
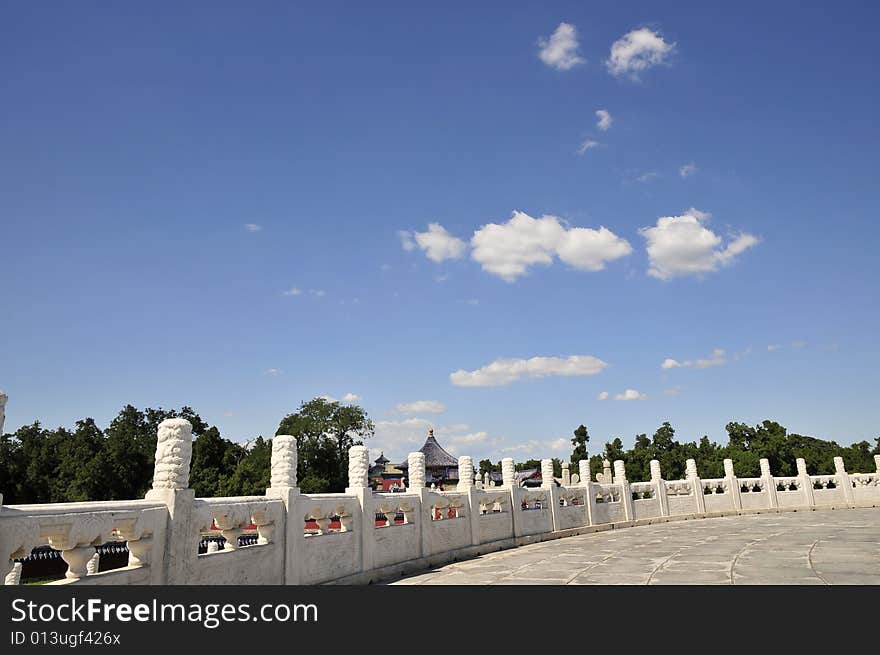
630 394
293 292
589 144
603 395
717 358
421 407
252 227
605 119
687 170
502 372
560 51
272 372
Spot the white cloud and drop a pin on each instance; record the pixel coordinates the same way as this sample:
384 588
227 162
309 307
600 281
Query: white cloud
683 245
687 170
320 293
473 302
505 371
272 371
350 398
650 176
603 395
773 346
252 227
293 292
508 249
589 144
630 394
675 391
560 444
637 51
406 240
438 244
560 50
421 407
717 358
399 438
605 119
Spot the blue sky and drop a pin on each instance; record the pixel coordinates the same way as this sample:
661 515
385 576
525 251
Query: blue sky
168 173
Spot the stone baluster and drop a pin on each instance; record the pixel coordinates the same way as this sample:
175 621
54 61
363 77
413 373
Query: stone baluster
265 527
358 485
547 474
487 480
732 485
843 481
769 483
478 481
626 499
566 474
416 462
94 564
508 472
283 485
584 472
659 487
805 483
877 463
171 487
358 467
213 546
465 473
696 486
14 575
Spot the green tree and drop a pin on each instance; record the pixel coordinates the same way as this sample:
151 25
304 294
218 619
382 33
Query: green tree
579 441
324 431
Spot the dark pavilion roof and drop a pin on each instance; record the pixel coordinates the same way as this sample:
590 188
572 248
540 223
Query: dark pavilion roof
435 456
381 459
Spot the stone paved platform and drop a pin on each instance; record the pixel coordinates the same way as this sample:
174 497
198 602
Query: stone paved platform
809 547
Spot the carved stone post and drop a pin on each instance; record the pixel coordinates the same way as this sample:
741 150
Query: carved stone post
877 462
696 486
94 564
805 483
584 473
171 486
283 485
416 462
14 575
566 475
465 473
659 487
769 483
732 485
508 472
358 485
606 472
843 480
625 492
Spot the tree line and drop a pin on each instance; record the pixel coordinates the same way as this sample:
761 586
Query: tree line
41 465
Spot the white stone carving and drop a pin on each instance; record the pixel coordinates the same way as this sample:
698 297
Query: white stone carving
173 454
839 467
801 466
213 546
765 467
656 473
619 471
283 469
465 472
690 467
14 575
358 467
728 469
877 462
508 472
416 462
584 470
93 564
566 474
546 473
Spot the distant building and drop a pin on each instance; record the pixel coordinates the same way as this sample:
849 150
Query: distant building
385 476
441 468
